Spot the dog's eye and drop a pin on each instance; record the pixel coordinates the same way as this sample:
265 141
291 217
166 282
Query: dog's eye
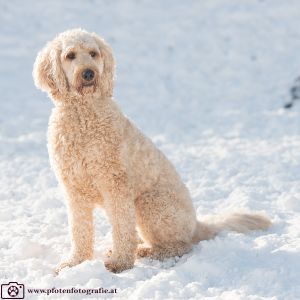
71 55
93 54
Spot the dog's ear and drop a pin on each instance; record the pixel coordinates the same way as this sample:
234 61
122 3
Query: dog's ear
42 70
47 71
107 77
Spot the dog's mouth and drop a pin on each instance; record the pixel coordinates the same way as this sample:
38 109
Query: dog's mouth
86 84
85 88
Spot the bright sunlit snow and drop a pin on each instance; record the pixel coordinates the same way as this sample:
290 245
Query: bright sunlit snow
206 80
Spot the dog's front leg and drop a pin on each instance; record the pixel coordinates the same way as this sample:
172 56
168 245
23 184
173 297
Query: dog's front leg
119 206
80 215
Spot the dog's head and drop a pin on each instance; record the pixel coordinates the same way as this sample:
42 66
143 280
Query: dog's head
75 63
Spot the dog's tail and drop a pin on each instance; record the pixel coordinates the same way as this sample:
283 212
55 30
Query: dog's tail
239 222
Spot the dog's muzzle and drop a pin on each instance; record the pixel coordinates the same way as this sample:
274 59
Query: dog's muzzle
88 78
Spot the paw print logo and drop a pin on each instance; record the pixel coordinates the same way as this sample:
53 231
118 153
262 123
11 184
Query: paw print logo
13 291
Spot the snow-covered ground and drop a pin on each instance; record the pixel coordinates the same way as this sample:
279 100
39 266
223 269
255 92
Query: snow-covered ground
207 81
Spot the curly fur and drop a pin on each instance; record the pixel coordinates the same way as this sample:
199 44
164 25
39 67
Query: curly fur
101 158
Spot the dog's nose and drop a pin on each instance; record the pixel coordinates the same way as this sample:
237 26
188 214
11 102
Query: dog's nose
88 74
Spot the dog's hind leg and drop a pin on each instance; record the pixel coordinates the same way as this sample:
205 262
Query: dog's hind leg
166 220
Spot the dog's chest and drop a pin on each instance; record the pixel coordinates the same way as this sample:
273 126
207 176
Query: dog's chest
78 144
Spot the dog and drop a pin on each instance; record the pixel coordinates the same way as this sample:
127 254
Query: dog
101 158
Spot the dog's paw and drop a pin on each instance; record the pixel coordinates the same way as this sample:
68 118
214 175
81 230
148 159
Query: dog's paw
66 264
61 266
143 251
117 266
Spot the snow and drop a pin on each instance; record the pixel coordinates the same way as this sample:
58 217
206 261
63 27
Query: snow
206 80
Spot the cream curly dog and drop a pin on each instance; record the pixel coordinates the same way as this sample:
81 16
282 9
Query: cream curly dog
101 158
